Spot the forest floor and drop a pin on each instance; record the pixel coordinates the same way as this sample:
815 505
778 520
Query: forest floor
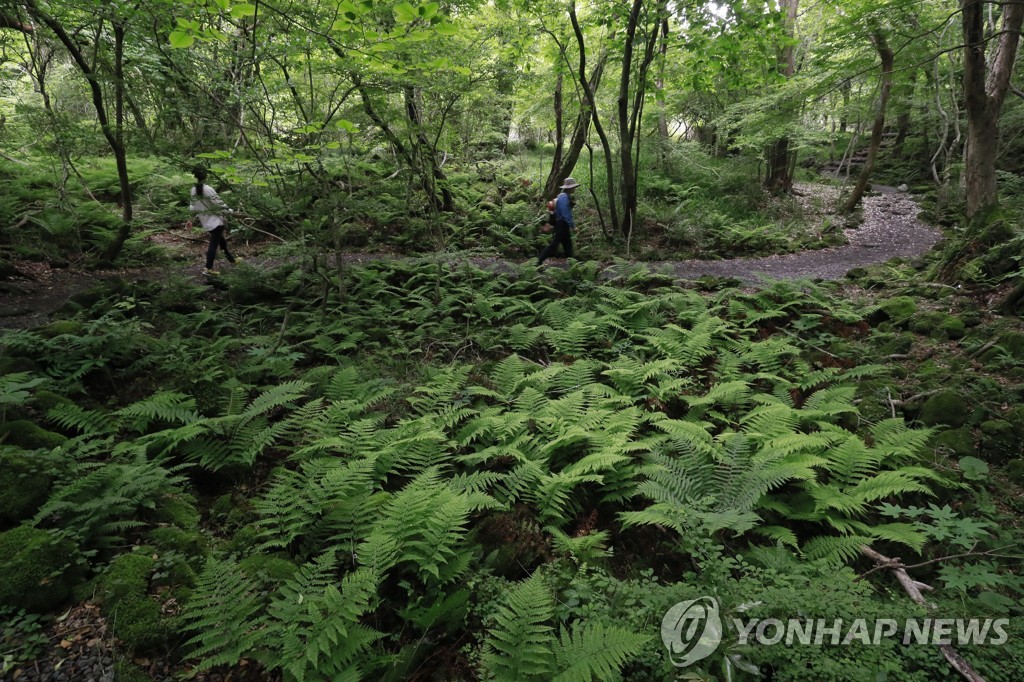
890 229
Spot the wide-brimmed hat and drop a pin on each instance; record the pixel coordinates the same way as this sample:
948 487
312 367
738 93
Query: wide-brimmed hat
569 183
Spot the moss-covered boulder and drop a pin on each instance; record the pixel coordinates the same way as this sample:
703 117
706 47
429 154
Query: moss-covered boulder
35 569
134 616
900 344
1000 441
946 408
24 485
29 435
179 510
62 328
190 542
1009 346
1015 471
959 442
938 325
897 309
15 364
45 400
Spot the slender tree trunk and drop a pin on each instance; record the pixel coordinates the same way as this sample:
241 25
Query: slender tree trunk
579 135
878 127
778 178
591 100
556 162
660 85
433 175
120 155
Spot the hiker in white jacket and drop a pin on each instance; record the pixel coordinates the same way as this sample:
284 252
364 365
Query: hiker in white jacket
210 209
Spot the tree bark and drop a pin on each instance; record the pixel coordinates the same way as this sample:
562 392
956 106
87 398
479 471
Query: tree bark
878 127
778 178
591 100
985 89
579 135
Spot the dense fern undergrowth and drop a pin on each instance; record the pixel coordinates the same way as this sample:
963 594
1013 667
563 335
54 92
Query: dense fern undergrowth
412 471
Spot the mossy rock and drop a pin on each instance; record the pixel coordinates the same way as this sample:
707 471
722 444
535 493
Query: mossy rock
1010 343
999 441
134 617
29 435
897 309
938 325
179 510
61 328
191 542
44 400
1015 471
960 441
945 408
16 364
899 345
34 571
24 485
95 294
1016 417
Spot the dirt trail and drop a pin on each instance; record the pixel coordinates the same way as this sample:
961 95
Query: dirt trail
890 229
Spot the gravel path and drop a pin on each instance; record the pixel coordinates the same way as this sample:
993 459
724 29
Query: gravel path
890 229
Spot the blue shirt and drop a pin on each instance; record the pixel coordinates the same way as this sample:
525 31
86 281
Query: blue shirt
563 210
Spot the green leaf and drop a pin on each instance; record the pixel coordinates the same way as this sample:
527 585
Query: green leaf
405 13
447 29
243 10
346 125
180 39
428 10
973 468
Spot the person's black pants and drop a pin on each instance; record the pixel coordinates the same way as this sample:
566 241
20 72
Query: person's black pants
217 240
562 235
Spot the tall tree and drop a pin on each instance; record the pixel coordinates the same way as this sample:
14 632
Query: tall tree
985 87
779 177
885 54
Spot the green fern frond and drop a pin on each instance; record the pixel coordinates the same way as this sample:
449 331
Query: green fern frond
168 406
593 651
519 645
224 612
835 549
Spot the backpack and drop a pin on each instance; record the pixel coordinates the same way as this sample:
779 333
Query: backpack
549 220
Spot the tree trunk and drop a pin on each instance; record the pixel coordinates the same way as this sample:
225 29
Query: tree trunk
580 132
591 100
120 155
984 91
886 55
778 178
556 161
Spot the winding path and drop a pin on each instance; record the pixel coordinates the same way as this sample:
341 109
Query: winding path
890 229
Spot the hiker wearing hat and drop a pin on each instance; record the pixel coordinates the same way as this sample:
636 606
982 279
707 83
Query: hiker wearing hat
564 224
